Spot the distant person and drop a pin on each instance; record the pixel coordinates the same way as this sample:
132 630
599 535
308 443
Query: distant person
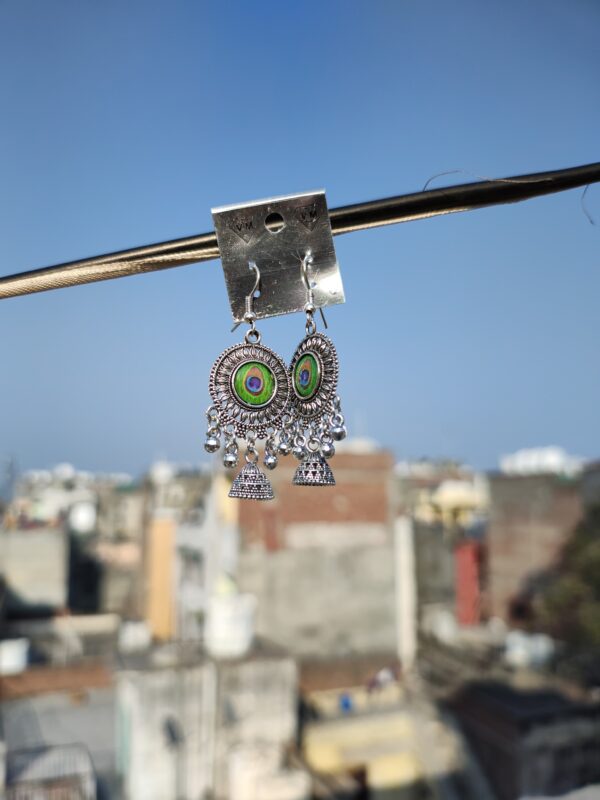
346 704
384 677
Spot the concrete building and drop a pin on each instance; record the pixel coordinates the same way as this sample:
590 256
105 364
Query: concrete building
435 567
389 743
193 717
442 493
531 518
47 772
448 505
122 512
52 718
189 554
322 562
119 565
587 793
169 722
62 639
49 497
530 742
34 566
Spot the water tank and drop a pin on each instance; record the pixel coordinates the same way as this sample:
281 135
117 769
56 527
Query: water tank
230 625
13 656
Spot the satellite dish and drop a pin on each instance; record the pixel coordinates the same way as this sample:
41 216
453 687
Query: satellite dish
82 517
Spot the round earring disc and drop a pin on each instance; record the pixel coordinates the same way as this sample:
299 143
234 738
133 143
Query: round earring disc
250 387
314 372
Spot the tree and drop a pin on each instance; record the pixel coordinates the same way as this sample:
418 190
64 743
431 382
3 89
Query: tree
569 605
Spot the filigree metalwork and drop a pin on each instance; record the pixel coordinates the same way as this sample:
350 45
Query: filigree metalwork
234 415
321 402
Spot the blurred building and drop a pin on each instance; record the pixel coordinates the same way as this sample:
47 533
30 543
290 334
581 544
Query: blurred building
442 493
34 567
335 581
82 522
541 461
193 718
530 742
58 726
50 772
448 503
322 561
47 498
176 669
587 793
190 554
383 740
122 511
163 723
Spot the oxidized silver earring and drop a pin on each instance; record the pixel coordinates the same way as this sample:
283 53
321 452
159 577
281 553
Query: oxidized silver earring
315 420
250 390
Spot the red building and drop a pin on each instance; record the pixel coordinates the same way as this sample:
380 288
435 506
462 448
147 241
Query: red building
467 565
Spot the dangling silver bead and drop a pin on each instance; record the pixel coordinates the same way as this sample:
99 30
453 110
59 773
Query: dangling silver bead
298 452
270 461
230 460
285 448
339 432
212 444
327 450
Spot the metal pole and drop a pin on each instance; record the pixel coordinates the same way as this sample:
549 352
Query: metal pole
392 210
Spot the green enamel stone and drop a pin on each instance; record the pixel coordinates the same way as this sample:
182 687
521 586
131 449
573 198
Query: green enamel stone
254 384
307 376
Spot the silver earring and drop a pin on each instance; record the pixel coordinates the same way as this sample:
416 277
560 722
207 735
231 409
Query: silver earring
250 390
316 419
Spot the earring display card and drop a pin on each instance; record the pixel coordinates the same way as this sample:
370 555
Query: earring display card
276 234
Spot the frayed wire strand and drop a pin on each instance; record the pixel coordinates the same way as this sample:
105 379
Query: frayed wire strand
584 208
592 221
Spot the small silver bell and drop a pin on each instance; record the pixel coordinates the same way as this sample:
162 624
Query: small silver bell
339 432
270 461
327 450
285 448
313 471
212 444
298 452
251 484
230 460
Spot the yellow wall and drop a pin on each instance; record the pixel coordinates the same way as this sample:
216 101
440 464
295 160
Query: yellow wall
349 742
227 508
160 578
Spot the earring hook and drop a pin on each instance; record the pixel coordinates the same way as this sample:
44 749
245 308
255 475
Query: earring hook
250 316
252 336
310 299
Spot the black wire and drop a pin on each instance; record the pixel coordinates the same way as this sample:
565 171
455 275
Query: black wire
388 211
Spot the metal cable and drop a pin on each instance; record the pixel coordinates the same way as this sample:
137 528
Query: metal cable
389 211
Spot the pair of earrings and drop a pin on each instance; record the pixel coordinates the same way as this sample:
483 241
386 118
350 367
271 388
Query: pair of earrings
294 409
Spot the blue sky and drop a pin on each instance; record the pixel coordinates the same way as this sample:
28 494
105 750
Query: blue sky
122 124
